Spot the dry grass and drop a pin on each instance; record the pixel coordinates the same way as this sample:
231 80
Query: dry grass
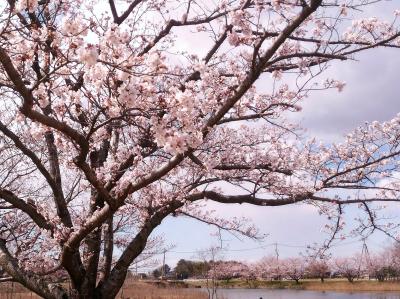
10 290
131 289
143 290
339 285
157 293
356 286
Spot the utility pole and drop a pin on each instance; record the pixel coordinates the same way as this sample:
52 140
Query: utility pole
163 266
277 260
364 255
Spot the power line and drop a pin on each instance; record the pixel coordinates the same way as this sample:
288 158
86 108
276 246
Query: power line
265 246
224 249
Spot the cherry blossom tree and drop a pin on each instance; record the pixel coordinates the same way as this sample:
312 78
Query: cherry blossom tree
108 126
348 267
270 268
318 268
226 270
379 265
385 264
249 272
395 260
294 268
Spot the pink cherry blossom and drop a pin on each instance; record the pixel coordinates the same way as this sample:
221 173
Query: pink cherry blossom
112 120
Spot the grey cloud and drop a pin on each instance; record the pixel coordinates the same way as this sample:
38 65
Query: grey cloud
372 93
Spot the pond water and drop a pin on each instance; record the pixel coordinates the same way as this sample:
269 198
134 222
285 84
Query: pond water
300 294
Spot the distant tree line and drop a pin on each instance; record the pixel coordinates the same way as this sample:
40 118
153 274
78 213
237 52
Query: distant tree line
382 266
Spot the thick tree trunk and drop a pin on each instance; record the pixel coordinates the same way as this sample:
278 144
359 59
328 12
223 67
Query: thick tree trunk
136 246
350 279
108 232
117 276
93 242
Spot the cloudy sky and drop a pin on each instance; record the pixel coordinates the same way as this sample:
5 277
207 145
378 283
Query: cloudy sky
371 93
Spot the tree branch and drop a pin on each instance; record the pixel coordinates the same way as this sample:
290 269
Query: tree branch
28 209
33 282
120 19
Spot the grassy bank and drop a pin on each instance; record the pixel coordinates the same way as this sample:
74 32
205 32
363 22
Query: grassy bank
356 286
311 285
141 290
131 289
159 290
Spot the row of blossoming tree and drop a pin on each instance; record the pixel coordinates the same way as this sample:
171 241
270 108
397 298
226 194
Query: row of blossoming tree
108 126
381 266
